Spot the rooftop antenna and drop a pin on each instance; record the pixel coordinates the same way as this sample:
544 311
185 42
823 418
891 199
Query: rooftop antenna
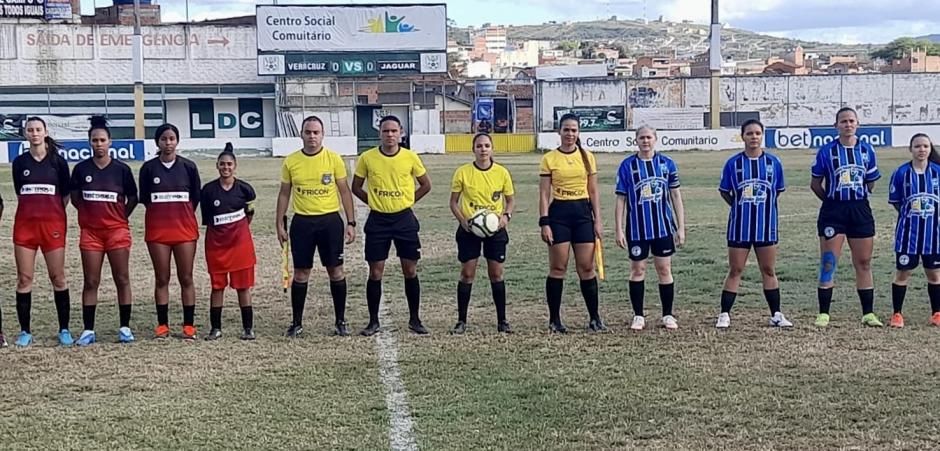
645 20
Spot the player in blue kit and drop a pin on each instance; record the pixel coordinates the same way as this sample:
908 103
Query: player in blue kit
915 194
750 183
844 175
648 196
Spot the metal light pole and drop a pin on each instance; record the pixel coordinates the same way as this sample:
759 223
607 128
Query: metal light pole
138 74
714 63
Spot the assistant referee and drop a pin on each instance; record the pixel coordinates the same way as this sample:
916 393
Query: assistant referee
391 171
315 179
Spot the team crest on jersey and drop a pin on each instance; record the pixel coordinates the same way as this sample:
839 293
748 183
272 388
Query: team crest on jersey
87 179
636 251
892 189
664 168
865 157
904 259
496 195
829 232
25 172
156 180
326 179
216 203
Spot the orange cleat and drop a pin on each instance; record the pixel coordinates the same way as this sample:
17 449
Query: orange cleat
935 319
162 331
897 321
189 333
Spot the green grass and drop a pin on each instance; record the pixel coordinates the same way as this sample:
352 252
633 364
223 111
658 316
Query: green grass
746 388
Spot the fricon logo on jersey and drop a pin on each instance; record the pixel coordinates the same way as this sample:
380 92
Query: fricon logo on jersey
386 193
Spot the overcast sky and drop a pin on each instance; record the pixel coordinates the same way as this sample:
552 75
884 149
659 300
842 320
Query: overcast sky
842 21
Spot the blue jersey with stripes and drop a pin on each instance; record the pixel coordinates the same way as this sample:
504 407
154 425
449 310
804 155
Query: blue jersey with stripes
754 183
646 185
846 171
918 195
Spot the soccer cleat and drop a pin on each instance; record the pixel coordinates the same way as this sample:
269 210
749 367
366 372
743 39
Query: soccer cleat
897 321
87 338
871 320
214 335
503 327
557 328
822 320
161 332
459 329
342 329
935 319
248 335
724 320
597 325
189 333
65 338
670 323
3 340
639 323
418 328
370 329
778 320
125 335
294 331
24 339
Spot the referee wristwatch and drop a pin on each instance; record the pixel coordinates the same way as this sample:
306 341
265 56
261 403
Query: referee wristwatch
508 216
351 223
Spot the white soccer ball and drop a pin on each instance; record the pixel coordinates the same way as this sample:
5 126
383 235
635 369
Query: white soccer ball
484 223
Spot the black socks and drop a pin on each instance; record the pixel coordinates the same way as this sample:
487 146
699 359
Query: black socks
62 307
463 300
897 296
637 292
825 299
773 300
298 297
374 298
553 289
727 300
413 293
666 295
589 293
338 292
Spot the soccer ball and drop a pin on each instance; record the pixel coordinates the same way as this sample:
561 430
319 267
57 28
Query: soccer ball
484 223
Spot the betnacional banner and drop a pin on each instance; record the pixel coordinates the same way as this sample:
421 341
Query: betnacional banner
76 151
813 138
351 28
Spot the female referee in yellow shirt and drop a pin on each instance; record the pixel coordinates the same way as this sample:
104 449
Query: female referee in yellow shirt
482 184
570 214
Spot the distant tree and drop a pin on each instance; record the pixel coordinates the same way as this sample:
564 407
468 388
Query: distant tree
451 23
569 46
903 46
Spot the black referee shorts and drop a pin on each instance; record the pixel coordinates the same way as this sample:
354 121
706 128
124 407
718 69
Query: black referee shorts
852 218
571 221
494 247
310 233
383 229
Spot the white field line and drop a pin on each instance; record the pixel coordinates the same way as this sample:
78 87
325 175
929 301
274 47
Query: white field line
401 425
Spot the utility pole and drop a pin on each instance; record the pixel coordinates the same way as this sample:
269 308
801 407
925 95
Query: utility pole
138 74
714 63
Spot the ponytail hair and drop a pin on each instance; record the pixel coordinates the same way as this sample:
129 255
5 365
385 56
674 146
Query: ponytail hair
51 144
934 154
228 150
99 123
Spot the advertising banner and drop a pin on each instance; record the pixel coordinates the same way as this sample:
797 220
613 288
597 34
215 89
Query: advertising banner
666 140
74 150
12 126
351 28
58 9
34 9
595 118
812 138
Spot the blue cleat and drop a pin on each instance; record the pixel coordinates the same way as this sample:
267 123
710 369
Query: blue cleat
87 337
24 339
125 335
65 338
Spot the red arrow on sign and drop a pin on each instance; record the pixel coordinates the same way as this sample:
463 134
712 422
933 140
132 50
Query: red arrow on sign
224 41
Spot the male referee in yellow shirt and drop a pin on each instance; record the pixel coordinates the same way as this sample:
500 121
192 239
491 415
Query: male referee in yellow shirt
315 179
391 171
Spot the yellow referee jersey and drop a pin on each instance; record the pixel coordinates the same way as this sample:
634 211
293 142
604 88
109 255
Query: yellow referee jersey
481 188
569 178
390 179
313 181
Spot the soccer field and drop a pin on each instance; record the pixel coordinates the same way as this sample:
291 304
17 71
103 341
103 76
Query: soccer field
750 387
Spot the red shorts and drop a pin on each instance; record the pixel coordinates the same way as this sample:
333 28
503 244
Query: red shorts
242 279
47 236
104 240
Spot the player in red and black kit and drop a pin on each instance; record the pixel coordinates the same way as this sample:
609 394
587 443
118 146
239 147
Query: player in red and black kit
105 194
169 188
230 251
41 180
